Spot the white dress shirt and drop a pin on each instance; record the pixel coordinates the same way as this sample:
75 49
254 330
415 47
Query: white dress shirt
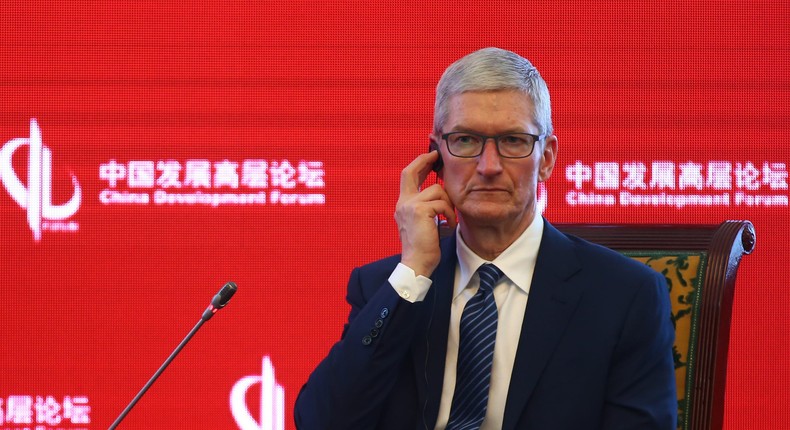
517 262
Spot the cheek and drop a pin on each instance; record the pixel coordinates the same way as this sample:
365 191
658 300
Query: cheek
525 184
453 189
454 185
453 176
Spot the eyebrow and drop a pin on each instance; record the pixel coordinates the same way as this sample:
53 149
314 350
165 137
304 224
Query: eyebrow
473 131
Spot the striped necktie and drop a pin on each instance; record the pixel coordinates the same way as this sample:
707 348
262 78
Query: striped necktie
475 354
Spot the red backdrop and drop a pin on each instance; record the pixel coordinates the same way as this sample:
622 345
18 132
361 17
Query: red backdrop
262 143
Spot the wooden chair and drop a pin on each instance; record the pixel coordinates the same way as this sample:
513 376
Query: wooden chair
700 264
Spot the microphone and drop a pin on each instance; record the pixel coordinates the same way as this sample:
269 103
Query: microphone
217 302
220 300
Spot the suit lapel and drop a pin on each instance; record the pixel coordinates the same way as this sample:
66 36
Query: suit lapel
430 351
552 301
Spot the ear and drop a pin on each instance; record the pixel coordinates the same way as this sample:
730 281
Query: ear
547 158
433 143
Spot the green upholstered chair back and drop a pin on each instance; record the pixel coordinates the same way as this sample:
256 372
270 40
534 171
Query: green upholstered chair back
699 264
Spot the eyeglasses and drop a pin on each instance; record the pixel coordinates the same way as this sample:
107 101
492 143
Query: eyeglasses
511 145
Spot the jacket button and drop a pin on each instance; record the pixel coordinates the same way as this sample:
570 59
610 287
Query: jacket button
384 313
374 333
367 340
378 323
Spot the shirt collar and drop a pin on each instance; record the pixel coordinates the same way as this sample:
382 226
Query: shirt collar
517 262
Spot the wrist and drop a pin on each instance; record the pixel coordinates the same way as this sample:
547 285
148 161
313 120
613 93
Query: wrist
419 269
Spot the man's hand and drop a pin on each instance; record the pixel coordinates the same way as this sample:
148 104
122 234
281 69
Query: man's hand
415 214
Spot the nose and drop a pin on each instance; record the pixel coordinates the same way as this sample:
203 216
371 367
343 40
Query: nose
489 162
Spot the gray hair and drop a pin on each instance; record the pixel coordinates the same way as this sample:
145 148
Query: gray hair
492 69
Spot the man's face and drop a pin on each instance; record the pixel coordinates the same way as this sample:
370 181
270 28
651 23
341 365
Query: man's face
489 189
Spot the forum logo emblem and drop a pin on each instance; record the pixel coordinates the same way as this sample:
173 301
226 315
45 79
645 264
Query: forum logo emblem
37 196
272 413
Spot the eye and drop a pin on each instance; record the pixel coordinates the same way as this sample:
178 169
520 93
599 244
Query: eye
464 139
515 139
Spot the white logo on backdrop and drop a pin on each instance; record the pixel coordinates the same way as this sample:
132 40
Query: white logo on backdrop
655 183
202 182
20 411
37 197
272 413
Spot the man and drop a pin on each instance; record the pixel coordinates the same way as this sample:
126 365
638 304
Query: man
508 323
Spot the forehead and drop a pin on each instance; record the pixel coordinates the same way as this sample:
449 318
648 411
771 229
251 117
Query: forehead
490 112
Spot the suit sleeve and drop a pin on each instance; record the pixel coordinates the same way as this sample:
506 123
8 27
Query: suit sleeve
348 388
641 390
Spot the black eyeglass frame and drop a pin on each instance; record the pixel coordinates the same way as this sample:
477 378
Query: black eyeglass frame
496 143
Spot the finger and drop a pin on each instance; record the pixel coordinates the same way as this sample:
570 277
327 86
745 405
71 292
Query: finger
446 209
434 193
425 210
441 207
452 220
413 175
437 192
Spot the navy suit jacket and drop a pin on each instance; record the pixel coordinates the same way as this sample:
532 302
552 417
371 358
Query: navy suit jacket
595 350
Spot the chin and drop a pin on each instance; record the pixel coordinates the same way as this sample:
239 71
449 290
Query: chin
490 213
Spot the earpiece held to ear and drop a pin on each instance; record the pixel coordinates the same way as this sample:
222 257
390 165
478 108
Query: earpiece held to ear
437 166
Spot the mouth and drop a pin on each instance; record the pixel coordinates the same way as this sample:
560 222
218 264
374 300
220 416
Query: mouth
488 190
489 193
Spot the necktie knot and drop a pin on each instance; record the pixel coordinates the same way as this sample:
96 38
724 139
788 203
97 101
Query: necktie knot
489 276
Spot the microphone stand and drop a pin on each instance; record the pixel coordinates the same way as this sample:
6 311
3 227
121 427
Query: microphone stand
156 375
218 302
